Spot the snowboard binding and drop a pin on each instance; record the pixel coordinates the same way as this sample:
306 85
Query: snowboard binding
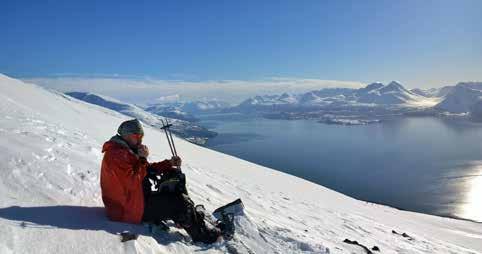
226 225
225 215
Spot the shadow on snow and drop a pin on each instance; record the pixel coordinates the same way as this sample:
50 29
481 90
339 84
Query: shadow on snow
77 218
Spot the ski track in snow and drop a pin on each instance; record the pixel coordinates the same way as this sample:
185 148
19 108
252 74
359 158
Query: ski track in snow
51 201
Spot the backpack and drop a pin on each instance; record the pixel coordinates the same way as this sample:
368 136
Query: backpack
173 182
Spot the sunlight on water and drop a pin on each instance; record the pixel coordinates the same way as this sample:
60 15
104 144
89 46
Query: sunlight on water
472 205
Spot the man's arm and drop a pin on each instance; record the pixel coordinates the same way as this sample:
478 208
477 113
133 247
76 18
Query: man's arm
129 170
162 166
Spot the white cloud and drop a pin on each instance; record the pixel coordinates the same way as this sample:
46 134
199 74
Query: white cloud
146 90
169 98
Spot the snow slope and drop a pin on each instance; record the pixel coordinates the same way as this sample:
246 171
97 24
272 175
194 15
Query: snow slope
183 128
50 202
462 98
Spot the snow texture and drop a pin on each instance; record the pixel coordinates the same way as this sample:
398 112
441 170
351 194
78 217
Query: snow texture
51 203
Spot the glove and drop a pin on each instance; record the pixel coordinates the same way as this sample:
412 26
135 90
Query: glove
143 151
176 161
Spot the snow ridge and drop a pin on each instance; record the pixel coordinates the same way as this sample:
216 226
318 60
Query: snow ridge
186 129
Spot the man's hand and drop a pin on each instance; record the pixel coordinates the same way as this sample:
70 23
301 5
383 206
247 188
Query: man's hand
176 161
143 151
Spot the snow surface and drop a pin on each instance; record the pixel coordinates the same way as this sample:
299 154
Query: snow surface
50 202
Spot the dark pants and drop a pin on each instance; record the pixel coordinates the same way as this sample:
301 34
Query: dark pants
179 208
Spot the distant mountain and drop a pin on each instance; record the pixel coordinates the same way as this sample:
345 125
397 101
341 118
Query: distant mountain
433 92
370 87
443 91
183 128
393 93
196 107
421 92
187 110
170 110
310 98
271 99
462 98
333 92
288 98
373 94
267 102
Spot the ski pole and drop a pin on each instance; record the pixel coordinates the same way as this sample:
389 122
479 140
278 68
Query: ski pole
172 142
164 127
172 146
170 139
167 126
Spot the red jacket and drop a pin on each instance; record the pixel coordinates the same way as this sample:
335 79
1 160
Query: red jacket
121 179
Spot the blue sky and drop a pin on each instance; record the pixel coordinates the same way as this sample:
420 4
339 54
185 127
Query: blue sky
420 43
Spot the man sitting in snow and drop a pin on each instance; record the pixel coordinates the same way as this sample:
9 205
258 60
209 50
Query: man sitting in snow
124 168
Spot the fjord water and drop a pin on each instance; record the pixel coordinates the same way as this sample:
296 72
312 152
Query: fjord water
427 165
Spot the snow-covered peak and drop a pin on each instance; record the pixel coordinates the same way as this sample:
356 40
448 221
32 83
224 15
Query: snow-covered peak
203 106
462 97
393 93
288 98
393 87
396 84
375 93
310 98
268 100
252 101
187 110
374 86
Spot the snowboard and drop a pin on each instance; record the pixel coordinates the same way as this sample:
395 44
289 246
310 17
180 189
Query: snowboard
235 208
225 216
222 217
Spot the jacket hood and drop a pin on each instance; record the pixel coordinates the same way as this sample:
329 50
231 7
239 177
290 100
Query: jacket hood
116 142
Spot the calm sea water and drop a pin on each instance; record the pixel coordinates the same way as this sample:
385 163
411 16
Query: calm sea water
427 165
